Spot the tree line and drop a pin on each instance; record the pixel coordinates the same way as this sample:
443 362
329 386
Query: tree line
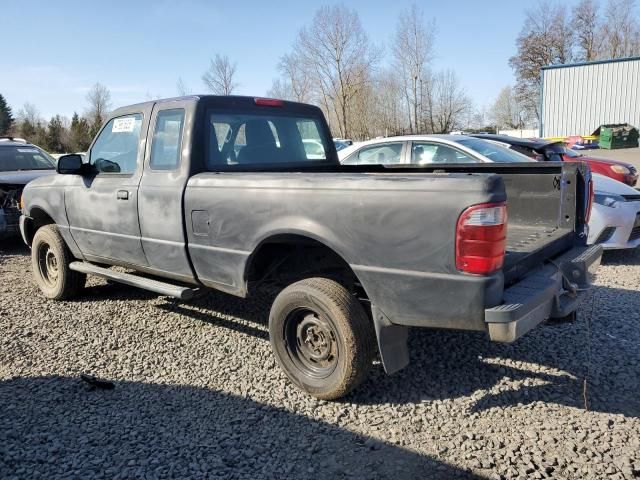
362 91
60 134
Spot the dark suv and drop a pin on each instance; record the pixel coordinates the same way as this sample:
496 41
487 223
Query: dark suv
20 162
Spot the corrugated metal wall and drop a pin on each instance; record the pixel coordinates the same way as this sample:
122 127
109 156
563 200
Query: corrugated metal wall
578 99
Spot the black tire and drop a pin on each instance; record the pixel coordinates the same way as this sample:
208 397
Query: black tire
321 337
50 259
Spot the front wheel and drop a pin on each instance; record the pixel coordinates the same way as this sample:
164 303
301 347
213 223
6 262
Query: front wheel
50 259
321 337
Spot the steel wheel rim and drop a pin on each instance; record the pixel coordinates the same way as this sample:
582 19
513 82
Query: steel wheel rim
48 265
311 343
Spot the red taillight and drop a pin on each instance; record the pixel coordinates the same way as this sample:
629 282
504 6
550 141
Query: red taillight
269 102
481 238
590 201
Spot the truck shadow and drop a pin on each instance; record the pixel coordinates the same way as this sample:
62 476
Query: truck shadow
52 426
621 257
548 364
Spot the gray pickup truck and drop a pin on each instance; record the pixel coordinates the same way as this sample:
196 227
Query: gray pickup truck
225 193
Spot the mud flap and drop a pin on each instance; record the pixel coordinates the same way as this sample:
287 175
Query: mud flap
392 342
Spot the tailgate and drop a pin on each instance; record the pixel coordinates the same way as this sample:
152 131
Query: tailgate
546 208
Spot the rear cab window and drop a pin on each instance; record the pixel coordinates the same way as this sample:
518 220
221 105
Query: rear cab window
263 138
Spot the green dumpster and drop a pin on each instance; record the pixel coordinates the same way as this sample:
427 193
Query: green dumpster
617 135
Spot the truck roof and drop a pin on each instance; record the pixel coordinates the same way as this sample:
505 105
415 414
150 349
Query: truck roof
222 100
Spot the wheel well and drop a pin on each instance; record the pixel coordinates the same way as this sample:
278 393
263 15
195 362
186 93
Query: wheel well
39 218
288 258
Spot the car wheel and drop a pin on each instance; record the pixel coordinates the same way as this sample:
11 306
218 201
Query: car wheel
50 259
321 337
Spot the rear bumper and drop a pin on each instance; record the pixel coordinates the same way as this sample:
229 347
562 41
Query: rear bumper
552 291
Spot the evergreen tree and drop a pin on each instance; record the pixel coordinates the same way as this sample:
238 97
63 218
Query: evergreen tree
80 137
54 136
6 117
95 125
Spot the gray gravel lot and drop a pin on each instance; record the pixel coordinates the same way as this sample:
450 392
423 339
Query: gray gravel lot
198 393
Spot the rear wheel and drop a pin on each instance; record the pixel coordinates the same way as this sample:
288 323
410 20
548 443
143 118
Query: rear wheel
322 338
50 259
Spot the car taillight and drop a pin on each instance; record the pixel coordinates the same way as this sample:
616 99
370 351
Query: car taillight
481 238
589 201
268 102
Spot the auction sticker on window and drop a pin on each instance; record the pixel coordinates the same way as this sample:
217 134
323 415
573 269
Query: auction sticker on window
125 124
28 150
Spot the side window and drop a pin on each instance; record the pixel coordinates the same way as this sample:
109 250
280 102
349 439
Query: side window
427 153
116 148
386 154
167 139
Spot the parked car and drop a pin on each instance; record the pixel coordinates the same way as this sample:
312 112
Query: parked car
546 150
20 162
615 216
614 221
358 253
429 149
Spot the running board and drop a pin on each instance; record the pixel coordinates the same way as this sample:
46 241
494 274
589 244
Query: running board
176 291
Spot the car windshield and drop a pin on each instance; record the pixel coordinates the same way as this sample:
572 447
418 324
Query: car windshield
16 158
493 151
340 145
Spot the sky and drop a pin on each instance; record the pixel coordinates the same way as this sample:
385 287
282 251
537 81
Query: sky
55 51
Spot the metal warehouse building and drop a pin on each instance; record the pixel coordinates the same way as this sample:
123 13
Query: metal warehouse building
578 98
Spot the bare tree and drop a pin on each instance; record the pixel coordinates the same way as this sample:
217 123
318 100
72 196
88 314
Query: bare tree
545 39
412 52
99 99
621 29
296 77
336 52
220 77
281 88
587 30
29 113
506 110
183 89
449 104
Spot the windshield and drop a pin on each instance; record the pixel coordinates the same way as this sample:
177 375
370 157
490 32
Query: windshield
494 152
16 158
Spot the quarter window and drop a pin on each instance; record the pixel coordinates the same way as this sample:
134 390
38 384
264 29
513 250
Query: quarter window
116 148
167 139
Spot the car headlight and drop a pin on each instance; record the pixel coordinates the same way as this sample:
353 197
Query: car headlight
607 199
621 169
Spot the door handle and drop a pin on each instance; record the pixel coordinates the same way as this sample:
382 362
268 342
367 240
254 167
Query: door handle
123 195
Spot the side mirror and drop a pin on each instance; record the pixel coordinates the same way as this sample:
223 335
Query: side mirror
70 164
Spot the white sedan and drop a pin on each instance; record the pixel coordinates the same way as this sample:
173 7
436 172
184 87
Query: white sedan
615 215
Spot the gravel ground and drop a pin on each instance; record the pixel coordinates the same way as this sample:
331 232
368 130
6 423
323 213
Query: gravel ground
198 393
